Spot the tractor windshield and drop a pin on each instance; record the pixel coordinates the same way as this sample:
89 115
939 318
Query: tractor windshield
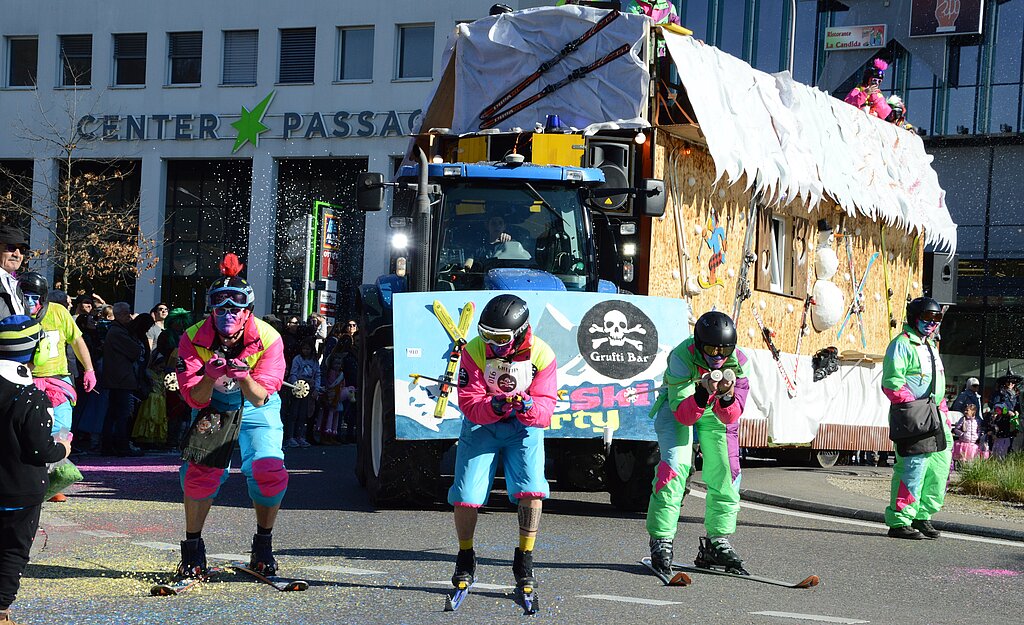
522 225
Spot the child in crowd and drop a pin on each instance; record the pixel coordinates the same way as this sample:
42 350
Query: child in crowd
967 432
26 446
304 367
336 396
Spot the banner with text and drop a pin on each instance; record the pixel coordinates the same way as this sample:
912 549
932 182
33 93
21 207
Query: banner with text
854 37
611 352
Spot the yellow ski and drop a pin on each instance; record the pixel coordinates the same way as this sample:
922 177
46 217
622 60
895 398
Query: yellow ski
458 335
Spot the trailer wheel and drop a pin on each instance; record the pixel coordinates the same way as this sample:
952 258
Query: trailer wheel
398 473
629 473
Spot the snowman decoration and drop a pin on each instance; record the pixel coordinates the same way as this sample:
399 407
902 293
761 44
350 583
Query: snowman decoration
827 303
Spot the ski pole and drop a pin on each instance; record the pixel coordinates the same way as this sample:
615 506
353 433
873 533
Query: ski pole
300 389
416 377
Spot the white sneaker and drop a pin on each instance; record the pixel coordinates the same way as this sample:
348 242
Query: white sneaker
302 442
291 442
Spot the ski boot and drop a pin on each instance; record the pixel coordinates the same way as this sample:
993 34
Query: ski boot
465 569
262 559
719 554
661 555
193 560
526 583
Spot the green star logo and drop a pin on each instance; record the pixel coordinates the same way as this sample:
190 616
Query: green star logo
250 124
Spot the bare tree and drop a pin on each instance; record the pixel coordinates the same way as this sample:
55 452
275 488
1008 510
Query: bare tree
87 206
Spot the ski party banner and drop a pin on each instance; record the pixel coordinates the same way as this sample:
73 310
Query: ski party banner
611 352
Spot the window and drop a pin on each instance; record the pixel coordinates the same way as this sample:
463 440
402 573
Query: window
415 51
130 59
298 55
23 55
76 60
782 245
240 48
186 58
356 49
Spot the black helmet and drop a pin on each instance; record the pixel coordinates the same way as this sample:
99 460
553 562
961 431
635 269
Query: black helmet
715 332
503 320
35 283
923 306
498 9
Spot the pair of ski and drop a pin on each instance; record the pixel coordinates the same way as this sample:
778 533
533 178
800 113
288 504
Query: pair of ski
680 578
856 305
525 597
183 585
457 333
491 116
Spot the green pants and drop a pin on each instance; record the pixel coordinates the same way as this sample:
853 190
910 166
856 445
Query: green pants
918 485
720 472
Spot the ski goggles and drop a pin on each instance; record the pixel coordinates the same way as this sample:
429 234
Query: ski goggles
718 350
495 337
931 316
220 311
231 297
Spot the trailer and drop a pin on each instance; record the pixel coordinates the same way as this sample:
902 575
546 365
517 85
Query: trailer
667 185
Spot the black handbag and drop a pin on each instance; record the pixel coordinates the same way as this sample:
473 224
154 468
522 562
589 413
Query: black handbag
915 427
211 438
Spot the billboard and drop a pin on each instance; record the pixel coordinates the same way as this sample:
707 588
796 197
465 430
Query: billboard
930 18
854 37
611 352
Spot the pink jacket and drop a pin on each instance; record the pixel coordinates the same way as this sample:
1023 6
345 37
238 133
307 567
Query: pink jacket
876 103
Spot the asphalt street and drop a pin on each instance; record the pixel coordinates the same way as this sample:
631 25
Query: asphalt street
118 532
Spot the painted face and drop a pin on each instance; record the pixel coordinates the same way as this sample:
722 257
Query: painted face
715 362
501 351
34 303
927 328
229 320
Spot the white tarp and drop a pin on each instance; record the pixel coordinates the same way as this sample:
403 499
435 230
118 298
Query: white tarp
792 140
851 396
494 53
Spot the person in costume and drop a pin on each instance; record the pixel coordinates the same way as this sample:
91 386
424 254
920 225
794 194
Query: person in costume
695 400
1006 413
867 96
507 393
898 115
230 362
911 370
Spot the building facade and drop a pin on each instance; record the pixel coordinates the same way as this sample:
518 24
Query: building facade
233 127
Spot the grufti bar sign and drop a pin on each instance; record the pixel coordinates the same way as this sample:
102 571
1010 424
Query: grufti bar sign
249 125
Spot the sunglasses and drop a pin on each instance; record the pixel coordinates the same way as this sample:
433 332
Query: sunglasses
718 350
220 311
497 338
11 248
352 325
931 316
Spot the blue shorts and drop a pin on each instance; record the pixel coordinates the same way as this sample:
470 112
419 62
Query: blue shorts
476 460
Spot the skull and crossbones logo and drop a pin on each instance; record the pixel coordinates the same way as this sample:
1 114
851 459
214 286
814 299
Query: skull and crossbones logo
615 328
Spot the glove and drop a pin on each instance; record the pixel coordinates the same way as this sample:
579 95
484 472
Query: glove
501 406
215 368
89 381
237 369
522 403
726 386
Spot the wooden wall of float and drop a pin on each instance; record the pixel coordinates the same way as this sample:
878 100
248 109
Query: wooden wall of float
699 195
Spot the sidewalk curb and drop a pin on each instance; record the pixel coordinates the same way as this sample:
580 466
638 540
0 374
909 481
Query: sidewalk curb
872 515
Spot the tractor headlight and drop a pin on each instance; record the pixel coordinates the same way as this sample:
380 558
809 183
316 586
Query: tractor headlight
399 241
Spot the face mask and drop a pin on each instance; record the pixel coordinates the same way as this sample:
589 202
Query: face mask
715 362
926 328
501 351
231 321
34 303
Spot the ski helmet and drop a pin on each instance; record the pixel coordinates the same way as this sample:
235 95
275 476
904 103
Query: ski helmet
230 290
504 320
923 308
715 334
36 288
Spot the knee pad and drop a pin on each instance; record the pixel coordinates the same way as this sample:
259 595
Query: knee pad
268 482
199 482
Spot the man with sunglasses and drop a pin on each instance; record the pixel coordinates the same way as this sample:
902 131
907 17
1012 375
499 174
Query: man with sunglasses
706 392
233 361
507 393
918 480
13 249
